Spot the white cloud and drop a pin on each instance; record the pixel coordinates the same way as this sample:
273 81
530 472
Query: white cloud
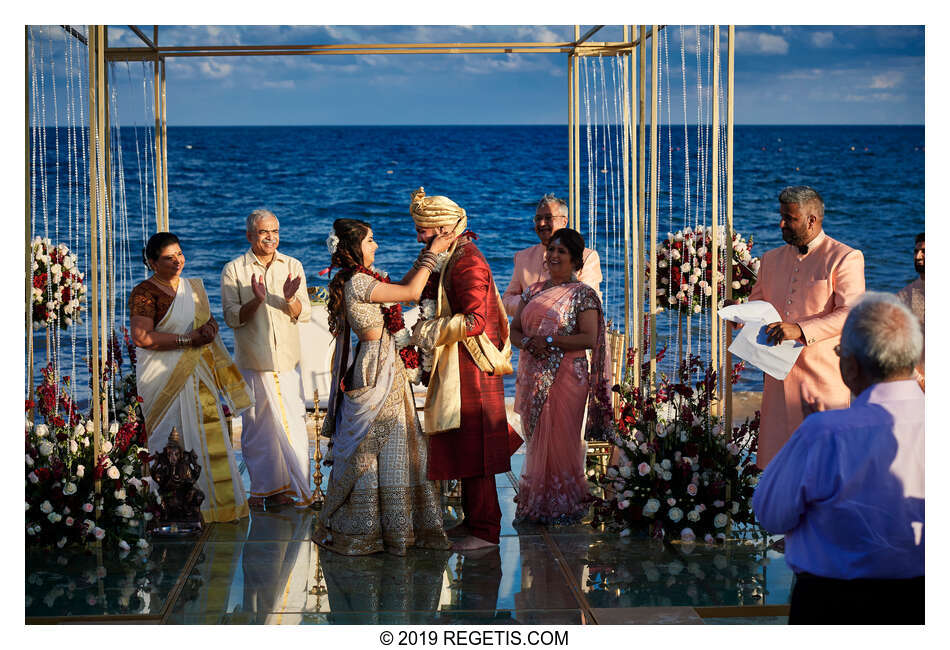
761 43
805 74
887 80
215 69
822 39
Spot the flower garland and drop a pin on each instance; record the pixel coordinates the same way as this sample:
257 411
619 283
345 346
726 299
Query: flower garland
396 326
685 262
679 473
58 288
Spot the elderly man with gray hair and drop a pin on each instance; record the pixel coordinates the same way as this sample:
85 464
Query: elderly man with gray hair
848 489
530 267
264 296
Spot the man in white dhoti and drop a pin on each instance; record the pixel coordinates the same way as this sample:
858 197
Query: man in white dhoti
264 296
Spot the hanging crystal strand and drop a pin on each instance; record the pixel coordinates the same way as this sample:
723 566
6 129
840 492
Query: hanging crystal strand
84 69
34 146
616 180
124 262
44 202
138 167
56 198
591 216
605 129
701 170
609 197
595 172
73 203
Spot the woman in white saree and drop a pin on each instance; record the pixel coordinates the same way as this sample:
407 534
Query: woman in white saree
181 370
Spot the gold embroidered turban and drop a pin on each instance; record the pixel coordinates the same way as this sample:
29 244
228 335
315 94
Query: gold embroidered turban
435 211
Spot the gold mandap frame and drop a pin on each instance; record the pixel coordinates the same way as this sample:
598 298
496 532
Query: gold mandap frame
633 173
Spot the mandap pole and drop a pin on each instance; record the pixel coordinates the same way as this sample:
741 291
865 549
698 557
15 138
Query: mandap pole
730 124
626 189
159 167
576 133
654 69
571 62
28 229
95 205
714 298
635 339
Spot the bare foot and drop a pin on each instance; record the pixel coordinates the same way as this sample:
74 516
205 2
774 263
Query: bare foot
255 502
471 543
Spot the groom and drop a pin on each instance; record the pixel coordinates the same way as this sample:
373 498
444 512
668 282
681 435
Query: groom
465 404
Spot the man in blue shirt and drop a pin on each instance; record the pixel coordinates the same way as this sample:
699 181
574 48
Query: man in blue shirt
847 490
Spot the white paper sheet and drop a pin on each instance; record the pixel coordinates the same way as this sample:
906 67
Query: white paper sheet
751 343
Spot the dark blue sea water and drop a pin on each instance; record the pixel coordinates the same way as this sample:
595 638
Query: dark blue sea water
871 177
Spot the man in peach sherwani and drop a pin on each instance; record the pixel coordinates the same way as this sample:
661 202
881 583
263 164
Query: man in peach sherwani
812 283
551 215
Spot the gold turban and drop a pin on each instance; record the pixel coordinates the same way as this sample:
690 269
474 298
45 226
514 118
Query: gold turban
435 211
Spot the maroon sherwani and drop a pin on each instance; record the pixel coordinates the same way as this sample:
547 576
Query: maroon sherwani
479 448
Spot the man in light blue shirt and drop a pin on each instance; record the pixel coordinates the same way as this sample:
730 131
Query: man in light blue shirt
847 490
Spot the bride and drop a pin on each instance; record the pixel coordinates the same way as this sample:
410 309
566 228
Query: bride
378 497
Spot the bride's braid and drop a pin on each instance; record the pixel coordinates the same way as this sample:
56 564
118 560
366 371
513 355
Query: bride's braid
347 258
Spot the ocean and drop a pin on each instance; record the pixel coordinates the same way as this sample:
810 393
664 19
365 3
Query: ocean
871 178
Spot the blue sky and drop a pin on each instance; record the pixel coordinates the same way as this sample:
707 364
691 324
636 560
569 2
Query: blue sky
784 75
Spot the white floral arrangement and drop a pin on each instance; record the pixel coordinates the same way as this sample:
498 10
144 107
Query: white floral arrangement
58 288
684 260
61 470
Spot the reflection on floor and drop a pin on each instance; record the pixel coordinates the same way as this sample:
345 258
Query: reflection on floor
264 569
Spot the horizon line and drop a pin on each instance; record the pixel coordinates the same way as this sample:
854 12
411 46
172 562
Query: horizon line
680 124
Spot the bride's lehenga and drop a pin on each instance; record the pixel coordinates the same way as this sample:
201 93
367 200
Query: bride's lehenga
378 497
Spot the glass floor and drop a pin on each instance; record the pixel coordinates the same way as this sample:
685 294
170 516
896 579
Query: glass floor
264 569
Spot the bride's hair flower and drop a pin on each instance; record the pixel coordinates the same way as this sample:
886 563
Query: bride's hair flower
332 242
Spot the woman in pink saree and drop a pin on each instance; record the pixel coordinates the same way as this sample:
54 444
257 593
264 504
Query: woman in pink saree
557 321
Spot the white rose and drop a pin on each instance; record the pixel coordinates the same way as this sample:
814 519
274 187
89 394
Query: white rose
127 469
125 511
90 427
79 431
54 517
33 478
124 545
667 476
135 482
687 535
41 431
693 516
735 507
46 507
69 488
61 543
80 471
120 494
685 267
147 516
743 281
612 472
113 472
651 507
73 447
675 514
142 543
665 463
625 471
720 520
29 460
106 447
114 428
